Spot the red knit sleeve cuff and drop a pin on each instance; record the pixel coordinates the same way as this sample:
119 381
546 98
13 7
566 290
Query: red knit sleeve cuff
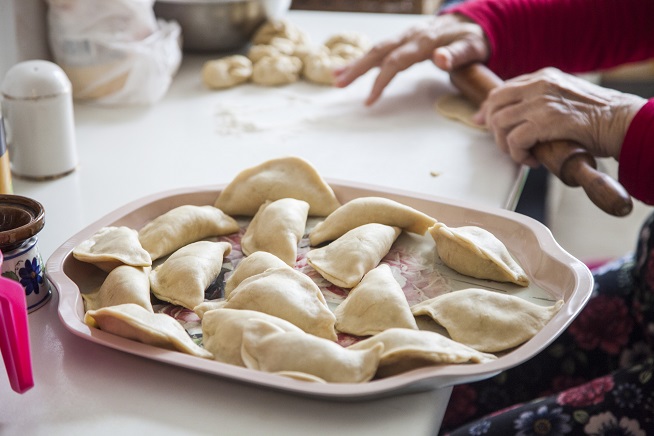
636 169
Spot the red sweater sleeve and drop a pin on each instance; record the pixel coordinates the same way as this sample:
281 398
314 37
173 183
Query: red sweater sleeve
572 35
636 170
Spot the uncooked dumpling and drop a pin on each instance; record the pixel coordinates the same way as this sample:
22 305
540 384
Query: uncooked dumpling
226 72
183 225
376 304
222 331
304 353
124 284
188 272
365 210
487 320
475 252
277 228
407 349
287 294
276 70
131 321
112 246
289 177
254 264
345 261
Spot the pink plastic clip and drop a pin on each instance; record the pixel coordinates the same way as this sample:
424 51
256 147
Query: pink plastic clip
14 335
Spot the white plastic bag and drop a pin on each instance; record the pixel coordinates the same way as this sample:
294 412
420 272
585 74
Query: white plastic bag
114 51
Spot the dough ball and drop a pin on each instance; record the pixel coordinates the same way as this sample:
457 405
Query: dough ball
277 70
259 51
346 51
320 68
303 51
354 39
284 45
279 28
457 107
226 72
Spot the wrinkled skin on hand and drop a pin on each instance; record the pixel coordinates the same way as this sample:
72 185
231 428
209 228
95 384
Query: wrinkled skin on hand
448 41
551 105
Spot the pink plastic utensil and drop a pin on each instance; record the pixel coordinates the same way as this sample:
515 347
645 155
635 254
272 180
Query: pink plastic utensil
14 334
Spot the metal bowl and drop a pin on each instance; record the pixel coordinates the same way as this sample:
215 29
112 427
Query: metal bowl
213 25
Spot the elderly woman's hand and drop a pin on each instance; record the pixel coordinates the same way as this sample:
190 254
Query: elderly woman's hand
448 40
550 105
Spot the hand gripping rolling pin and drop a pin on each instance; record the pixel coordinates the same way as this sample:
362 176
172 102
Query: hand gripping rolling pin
571 163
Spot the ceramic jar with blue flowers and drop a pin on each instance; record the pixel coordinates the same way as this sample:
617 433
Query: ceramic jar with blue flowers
21 219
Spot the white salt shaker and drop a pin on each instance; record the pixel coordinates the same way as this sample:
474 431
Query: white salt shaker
37 107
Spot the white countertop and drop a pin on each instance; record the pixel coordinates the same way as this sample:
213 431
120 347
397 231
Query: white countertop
197 137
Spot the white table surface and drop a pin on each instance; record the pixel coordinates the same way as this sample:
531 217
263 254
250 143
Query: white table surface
197 137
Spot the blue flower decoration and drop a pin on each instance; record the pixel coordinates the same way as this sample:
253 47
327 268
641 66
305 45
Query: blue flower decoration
30 276
542 422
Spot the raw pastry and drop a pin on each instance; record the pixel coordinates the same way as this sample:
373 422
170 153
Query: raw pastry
346 51
351 38
475 252
459 108
188 272
110 247
289 177
406 349
487 320
365 210
284 45
345 261
222 331
254 264
374 305
319 68
305 353
226 72
277 228
279 28
124 284
276 70
131 321
287 294
260 51
183 225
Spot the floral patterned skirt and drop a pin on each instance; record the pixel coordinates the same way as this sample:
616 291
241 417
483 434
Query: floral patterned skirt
595 379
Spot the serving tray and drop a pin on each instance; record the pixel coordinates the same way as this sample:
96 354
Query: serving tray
553 272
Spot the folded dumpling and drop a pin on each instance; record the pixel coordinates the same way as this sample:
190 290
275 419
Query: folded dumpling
376 304
222 331
304 353
365 210
487 320
277 228
407 349
254 264
289 177
287 294
475 252
188 272
124 284
345 261
131 321
112 246
181 226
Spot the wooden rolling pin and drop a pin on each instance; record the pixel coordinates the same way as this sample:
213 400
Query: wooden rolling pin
571 163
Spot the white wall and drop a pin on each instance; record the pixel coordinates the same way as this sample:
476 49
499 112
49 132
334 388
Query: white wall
23 32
